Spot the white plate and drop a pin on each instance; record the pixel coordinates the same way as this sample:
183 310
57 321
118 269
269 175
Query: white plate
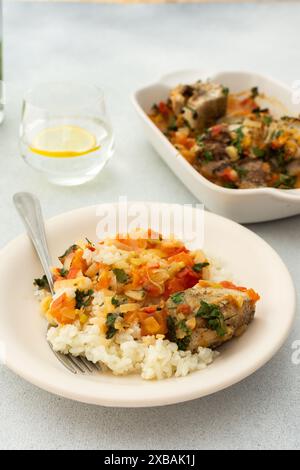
22 330
244 206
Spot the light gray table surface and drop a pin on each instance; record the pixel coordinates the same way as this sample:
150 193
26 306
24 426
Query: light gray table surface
120 48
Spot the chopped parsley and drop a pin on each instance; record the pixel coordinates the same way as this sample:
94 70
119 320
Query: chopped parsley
215 318
63 272
83 298
178 297
182 326
42 283
208 155
89 241
267 120
229 185
115 302
181 343
121 275
242 172
199 266
238 140
70 250
172 126
225 90
285 181
110 323
258 152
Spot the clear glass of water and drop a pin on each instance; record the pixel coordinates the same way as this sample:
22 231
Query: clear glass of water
65 132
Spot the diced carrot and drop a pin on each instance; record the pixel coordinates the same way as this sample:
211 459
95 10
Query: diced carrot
104 280
131 317
254 296
161 318
78 261
182 257
72 274
63 309
150 326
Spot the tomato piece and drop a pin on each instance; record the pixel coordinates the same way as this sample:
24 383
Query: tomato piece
163 108
230 285
184 308
216 130
188 277
172 286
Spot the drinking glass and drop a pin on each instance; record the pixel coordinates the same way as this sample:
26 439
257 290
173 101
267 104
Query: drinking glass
65 132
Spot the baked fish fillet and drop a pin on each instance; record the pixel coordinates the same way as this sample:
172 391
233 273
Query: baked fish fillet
209 314
200 104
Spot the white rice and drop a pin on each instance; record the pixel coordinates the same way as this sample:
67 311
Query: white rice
152 358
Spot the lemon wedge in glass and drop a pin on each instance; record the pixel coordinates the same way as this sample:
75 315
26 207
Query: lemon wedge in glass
64 142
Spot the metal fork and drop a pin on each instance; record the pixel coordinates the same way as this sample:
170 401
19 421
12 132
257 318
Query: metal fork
29 209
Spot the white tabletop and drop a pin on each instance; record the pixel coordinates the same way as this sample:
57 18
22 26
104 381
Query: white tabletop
119 48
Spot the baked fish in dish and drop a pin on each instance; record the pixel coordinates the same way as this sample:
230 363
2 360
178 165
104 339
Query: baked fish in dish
209 314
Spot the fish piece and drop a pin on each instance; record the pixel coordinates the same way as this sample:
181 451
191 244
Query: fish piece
209 314
201 104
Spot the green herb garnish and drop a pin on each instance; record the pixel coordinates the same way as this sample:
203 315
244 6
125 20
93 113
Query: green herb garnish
121 275
242 172
182 326
208 155
42 283
258 152
70 250
89 241
83 298
229 185
110 323
215 318
172 126
225 90
267 120
178 297
285 181
63 272
115 302
181 343
237 142
199 266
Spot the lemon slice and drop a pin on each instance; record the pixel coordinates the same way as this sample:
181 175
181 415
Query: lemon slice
64 142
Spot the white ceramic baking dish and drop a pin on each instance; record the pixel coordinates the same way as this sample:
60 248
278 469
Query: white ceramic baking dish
244 206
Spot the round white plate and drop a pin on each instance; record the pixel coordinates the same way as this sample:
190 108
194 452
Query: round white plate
22 330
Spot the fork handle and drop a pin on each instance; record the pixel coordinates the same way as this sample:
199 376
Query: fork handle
29 209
